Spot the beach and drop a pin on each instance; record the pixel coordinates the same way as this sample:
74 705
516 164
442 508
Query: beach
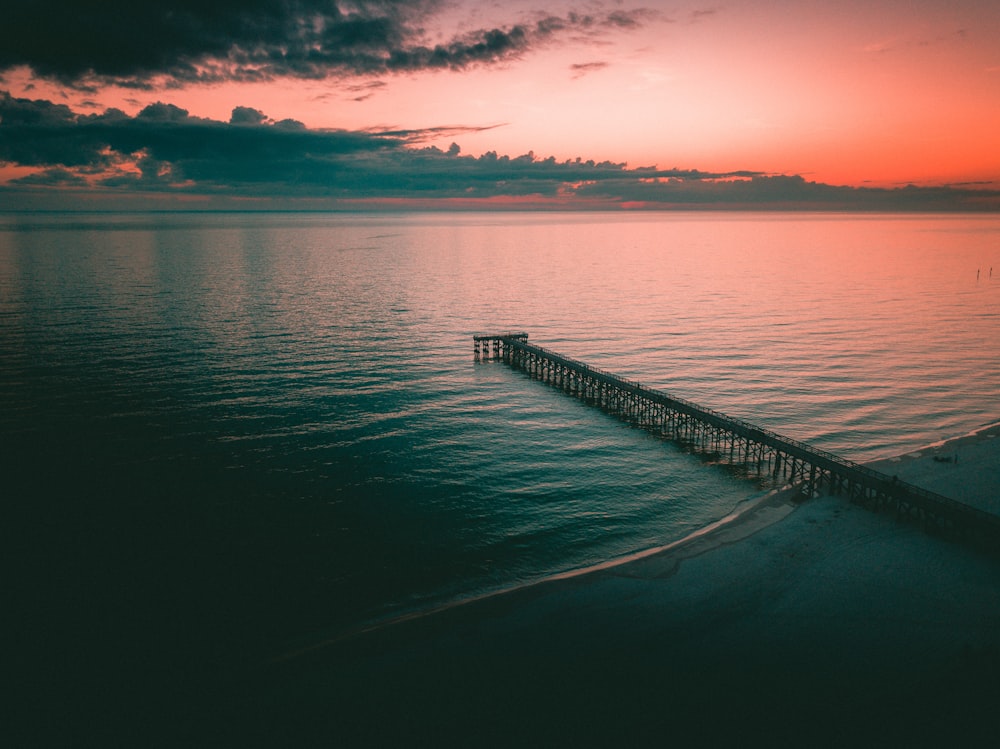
963 468
815 623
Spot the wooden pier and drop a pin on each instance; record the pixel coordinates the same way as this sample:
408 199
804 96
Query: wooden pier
758 452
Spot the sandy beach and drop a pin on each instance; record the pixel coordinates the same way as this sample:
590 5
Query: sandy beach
797 624
964 468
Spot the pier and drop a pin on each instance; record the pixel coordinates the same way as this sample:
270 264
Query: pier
757 452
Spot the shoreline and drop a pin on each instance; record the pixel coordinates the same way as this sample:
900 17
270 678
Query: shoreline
740 523
812 623
962 468
917 467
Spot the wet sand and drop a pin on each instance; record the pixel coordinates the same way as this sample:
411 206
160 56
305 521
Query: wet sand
812 624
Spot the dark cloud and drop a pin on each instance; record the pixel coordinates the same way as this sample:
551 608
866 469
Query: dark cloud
39 133
581 69
247 116
80 42
626 19
429 133
363 91
54 177
160 112
164 150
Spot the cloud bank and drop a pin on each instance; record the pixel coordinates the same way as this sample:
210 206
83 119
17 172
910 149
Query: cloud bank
134 43
165 151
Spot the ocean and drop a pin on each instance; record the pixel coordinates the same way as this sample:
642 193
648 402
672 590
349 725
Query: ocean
231 435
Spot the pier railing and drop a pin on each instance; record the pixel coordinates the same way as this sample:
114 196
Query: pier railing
757 451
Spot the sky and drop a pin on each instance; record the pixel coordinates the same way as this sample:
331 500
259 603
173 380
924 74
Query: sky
451 103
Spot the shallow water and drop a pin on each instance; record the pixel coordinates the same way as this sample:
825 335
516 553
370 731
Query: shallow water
272 426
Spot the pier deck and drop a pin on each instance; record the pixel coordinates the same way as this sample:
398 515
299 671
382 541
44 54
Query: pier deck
759 452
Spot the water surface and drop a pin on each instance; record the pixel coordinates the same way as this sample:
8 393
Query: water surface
248 431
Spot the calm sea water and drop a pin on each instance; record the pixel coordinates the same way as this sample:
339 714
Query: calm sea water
239 433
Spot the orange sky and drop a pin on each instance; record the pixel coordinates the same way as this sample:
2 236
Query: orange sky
856 93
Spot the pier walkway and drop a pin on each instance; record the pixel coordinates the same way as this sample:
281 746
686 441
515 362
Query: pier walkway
758 452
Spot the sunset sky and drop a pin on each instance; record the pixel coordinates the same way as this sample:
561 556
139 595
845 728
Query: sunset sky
674 102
